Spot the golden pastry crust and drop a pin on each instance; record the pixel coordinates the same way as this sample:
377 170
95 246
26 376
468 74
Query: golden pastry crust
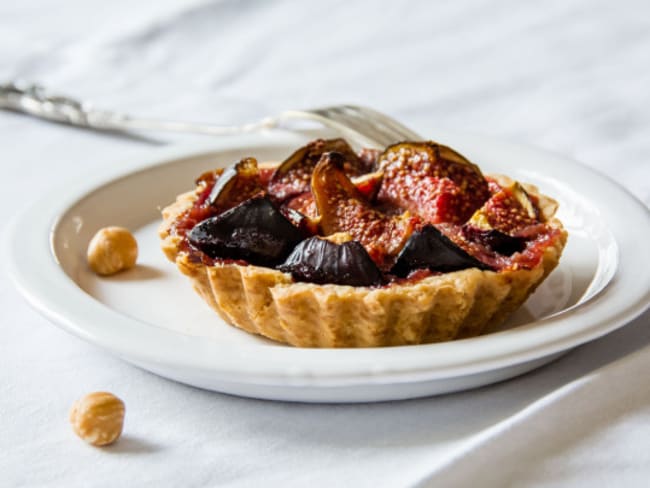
437 308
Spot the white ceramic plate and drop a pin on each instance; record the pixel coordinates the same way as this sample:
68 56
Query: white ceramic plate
150 317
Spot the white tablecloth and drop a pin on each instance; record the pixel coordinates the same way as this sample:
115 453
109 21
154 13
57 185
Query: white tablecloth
569 76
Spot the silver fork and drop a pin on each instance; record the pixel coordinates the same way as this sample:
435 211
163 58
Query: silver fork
362 125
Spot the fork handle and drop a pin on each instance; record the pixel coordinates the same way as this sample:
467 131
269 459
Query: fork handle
34 100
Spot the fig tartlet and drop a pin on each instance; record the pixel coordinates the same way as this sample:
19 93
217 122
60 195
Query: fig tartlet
331 248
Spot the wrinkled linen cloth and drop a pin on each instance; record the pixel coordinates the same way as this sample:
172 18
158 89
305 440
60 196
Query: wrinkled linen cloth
568 76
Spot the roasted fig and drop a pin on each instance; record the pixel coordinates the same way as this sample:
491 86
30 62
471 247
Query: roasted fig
369 157
303 203
236 184
495 240
429 248
432 181
253 231
320 261
368 184
307 225
293 176
509 211
342 208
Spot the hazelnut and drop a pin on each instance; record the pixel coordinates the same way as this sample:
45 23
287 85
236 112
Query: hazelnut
98 418
112 249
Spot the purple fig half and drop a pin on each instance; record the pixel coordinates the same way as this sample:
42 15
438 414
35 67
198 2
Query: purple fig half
429 248
320 261
254 231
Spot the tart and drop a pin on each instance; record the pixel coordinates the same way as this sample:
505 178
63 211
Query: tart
330 248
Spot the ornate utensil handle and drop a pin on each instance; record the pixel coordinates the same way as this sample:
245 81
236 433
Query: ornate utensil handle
35 100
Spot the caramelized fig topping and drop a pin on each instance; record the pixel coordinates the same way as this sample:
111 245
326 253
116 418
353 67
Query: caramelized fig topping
342 208
429 248
236 184
320 261
253 231
367 218
432 181
509 211
293 176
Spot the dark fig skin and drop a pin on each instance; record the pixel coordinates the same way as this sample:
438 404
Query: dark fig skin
493 239
237 183
429 248
306 225
293 176
254 231
320 261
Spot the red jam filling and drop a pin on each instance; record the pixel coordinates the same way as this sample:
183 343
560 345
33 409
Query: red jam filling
382 212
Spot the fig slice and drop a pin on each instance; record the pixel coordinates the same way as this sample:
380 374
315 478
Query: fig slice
508 211
431 249
320 261
307 225
431 180
369 157
368 184
342 208
303 203
293 176
253 231
237 183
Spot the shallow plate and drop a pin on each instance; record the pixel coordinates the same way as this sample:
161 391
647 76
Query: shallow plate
150 316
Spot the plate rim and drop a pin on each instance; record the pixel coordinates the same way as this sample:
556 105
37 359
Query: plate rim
305 366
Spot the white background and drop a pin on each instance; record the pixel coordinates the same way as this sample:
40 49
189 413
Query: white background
568 76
